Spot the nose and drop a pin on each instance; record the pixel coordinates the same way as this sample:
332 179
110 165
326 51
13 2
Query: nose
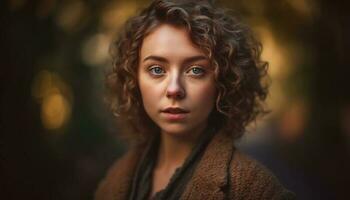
175 89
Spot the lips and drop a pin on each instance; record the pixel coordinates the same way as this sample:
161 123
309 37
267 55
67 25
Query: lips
175 110
175 113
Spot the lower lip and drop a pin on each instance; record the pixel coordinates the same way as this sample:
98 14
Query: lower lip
174 116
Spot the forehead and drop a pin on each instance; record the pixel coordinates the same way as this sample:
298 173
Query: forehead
169 41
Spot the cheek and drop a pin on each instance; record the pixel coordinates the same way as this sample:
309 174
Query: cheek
204 96
150 93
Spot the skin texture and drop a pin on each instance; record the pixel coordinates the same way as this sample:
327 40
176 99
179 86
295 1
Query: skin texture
173 72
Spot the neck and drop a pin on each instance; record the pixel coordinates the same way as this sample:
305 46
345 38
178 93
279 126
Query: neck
174 149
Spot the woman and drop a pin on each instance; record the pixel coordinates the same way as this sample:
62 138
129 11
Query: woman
186 81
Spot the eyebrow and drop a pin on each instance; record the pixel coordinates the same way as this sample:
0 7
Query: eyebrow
164 60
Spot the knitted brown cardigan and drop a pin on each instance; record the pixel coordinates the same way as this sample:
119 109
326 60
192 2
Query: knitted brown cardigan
222 173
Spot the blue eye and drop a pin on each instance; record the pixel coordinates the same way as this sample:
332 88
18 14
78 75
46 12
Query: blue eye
156 71
197 71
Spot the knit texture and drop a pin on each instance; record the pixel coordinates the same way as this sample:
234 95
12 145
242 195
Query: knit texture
222 173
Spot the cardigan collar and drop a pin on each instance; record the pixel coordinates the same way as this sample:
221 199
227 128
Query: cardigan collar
208 181
211 175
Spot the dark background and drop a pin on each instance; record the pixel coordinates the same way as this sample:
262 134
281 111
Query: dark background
57 137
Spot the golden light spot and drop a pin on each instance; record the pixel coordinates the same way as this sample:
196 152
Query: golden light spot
116 13
275 53
293 121
305 8
95 50
55 98
71 15
280 56
55 111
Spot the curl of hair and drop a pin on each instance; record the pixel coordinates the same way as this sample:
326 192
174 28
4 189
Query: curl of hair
230 45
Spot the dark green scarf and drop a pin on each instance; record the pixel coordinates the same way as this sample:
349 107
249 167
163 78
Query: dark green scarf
142 182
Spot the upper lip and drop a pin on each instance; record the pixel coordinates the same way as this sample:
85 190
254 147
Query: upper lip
175 110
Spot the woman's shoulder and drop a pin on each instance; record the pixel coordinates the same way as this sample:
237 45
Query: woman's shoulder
251 179
119 176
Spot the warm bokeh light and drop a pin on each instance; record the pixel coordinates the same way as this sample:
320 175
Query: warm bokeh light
275 53
116 13
293 121
279 68
305 8
71 15
95 50
55 111
55 98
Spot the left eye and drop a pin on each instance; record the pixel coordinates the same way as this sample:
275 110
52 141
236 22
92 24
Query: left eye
196 71
156 70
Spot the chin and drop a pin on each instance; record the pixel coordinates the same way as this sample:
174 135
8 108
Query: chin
175 129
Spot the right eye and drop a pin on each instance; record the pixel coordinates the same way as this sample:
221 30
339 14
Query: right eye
156 70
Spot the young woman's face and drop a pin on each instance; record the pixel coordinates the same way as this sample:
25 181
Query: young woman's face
176 81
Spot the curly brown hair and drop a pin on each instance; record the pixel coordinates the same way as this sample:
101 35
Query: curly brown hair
230 46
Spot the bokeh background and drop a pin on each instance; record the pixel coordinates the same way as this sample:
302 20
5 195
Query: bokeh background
57 137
